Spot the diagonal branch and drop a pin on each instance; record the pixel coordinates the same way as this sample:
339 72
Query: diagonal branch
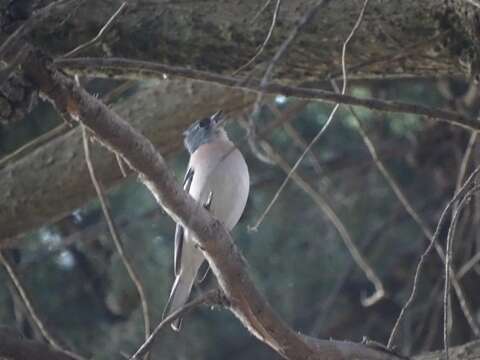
223 256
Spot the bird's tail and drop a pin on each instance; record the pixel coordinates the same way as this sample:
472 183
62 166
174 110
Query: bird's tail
178 297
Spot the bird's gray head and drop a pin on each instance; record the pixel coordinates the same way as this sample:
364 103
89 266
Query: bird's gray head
204 131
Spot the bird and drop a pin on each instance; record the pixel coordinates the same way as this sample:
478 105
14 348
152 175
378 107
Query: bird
218 179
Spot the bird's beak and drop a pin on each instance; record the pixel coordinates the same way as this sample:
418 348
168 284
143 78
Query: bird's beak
218 118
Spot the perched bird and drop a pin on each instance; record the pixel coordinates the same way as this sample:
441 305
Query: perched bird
218 179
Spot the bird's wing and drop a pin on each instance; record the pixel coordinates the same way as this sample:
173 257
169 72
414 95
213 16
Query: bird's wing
179 230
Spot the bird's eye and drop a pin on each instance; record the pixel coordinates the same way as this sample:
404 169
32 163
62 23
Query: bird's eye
204 123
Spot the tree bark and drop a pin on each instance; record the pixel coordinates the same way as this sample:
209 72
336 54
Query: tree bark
222 36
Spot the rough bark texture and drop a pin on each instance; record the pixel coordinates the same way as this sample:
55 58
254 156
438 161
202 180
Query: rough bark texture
53 180
222 36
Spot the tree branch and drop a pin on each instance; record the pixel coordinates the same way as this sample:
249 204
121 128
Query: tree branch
118 66
223 256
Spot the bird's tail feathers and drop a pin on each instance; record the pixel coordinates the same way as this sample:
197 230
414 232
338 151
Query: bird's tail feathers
178 297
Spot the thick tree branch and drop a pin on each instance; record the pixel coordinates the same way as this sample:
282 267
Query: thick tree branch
223 256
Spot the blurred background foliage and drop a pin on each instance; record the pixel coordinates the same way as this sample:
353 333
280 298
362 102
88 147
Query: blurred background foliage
80 288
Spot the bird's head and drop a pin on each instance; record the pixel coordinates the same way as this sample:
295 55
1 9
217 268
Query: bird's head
204 131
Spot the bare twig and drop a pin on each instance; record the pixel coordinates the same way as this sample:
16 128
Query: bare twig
212 297
466 158
31 311
269 71
325 126
433 241
328 211
115 237
461 175
390 58
100 34
122 65
259 12
121 166
423 226
468 265
34 144
448 259
265 42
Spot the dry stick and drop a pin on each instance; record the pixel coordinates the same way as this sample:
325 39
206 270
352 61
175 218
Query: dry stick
100 34
448 259
212 297
267 39
31 311
113 232
325 126
123 65
323 205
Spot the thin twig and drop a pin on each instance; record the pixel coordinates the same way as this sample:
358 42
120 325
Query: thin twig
323 205
448 260
114 234
34 144
210 298
324 127
461 175
466 158
121 166
433 241
396 56
423 226
122 65
468 265
265 42
269 70
263 8
100 34
31 311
